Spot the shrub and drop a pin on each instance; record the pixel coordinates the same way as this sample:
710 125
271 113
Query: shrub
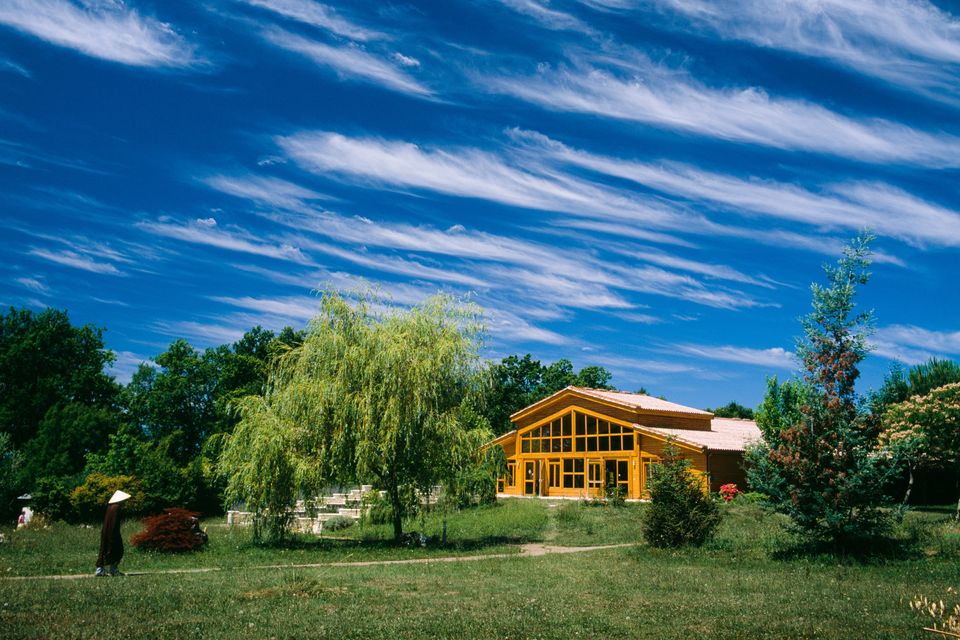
338 523
51 497
680 513
752 497
728 492
174 530
379 511
615 495
90 498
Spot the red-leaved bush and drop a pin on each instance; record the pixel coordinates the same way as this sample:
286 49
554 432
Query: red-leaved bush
173 530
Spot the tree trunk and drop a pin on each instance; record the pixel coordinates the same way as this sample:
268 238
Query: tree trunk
906 496
394 492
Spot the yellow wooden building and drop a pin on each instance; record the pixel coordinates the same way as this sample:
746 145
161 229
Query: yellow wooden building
579 440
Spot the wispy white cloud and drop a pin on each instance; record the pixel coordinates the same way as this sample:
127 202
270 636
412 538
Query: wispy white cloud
76 260
118 303
482 260
12 67
513 328
202 333
547 16
466 172
263 190
912 344
912 44
318 15
775 357
34 285
407 61
222 238
349 61
108 31
629 86
126 365
295 308
853 205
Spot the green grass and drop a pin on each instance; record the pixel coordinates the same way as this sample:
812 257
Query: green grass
738 586
63 549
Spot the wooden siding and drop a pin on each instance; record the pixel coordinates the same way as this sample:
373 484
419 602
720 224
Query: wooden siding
720 467
726 467
629 416
695 423
569 401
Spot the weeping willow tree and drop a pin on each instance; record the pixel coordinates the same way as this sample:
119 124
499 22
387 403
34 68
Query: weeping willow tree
367 397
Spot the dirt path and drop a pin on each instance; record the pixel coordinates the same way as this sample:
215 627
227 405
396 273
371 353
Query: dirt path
527 550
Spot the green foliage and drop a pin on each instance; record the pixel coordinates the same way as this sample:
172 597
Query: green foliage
9 470
45 361
732 410
338 523
680 511
56 402
67 434
816 463
919 380
263 467
615 495
379 510
781 407
519 382
175 401
51 497
474 480
164 483
89 500
364 397
925 430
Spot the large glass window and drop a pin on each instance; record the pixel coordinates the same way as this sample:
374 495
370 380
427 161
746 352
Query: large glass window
573 473
577 431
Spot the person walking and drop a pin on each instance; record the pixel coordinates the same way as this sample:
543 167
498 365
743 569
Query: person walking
111 543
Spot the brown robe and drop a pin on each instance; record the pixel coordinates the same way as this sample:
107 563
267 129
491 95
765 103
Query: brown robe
111 544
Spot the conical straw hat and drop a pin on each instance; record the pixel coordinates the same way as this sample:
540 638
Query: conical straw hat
118 496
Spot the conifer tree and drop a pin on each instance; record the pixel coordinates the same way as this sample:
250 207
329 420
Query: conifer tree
819 466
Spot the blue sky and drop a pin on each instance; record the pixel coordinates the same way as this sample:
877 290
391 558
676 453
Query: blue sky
647 186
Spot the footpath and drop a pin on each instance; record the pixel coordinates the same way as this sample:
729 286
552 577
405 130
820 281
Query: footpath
527 550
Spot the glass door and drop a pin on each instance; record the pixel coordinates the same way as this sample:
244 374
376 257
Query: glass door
554 476
618 475
594 477
530 478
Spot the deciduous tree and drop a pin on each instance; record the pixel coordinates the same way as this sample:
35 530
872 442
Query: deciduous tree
365 397
925 430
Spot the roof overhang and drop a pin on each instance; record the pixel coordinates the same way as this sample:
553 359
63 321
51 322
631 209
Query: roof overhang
519 415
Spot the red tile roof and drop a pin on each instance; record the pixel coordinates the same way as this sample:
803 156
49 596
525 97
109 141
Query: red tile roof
635 401
639 401
726 434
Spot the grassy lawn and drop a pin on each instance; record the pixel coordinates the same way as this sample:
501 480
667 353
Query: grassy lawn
63 549
739 586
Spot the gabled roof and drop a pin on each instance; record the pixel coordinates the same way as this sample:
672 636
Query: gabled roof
632 401
725 434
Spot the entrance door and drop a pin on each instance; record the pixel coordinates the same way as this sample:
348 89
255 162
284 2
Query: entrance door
553 477
617 473
531 478
594 477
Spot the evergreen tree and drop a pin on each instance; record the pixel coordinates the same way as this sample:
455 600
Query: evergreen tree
819 466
